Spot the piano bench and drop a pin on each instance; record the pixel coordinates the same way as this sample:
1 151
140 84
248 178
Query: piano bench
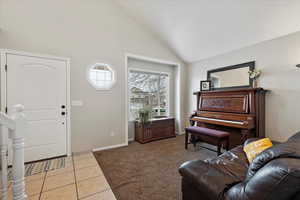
219 136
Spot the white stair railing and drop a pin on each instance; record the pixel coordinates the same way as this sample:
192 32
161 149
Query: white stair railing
13 127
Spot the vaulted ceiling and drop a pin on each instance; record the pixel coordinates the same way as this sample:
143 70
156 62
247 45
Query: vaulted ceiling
198 29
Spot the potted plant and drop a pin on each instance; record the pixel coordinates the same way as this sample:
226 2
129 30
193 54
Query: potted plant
144 115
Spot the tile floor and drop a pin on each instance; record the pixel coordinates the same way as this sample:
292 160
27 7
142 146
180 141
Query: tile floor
81 179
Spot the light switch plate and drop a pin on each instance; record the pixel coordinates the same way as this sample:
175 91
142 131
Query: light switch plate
77 103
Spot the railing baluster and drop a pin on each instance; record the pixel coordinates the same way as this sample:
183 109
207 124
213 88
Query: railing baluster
18 153
4 164
16 126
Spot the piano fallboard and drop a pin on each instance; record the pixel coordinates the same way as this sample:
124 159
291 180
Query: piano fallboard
249 118
232 103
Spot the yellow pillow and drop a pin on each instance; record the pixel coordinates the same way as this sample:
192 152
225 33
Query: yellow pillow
254 148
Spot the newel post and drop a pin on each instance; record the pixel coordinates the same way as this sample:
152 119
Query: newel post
4 163
18 168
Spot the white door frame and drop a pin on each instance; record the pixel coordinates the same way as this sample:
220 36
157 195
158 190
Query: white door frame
177 90
4 52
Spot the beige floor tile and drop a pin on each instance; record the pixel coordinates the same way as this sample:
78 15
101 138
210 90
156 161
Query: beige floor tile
35 197
9 193
34 187
59 180
106 195
63 193
88 172
35 177
84 156
68 167
69 163
60 171
85 163
92 186
69 159
9 183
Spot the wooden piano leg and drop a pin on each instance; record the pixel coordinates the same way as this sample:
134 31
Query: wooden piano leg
227 144
186 139
219 147
193 140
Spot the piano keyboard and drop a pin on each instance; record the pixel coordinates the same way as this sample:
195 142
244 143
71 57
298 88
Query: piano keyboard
219 120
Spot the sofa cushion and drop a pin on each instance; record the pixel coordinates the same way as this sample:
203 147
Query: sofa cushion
254 148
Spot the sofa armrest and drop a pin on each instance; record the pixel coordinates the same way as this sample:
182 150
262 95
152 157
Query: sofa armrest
279 179
206 178
202 176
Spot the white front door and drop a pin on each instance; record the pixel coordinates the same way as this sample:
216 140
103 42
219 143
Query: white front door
40 84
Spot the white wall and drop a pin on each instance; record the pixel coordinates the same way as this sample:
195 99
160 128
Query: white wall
277 59
86 31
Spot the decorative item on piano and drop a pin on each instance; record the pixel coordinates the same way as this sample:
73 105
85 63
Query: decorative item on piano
205 85
254 75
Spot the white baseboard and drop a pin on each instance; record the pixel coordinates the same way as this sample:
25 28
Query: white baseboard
110 147
180 133
130 139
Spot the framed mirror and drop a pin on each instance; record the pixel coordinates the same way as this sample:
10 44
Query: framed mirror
230 77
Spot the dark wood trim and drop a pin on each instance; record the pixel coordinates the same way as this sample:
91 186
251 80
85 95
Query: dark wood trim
231 90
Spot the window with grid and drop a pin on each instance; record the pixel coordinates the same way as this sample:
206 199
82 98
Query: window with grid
101 76
148 90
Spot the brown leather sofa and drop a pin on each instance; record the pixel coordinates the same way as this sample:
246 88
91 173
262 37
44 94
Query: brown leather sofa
273 175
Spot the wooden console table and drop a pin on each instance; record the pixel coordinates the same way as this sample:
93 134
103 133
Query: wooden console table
155 129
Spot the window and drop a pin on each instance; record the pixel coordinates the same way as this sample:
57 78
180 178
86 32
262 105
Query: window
101 76
148 90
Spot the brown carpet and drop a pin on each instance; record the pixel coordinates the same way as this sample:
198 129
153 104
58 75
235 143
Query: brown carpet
148 171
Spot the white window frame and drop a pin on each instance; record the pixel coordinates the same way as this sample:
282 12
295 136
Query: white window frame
90 67
153 72
178 109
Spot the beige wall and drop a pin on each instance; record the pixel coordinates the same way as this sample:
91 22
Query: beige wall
86 31
277 59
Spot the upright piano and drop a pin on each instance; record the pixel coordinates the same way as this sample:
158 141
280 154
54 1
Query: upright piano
241 112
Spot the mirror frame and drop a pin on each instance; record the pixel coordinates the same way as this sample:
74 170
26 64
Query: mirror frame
251 66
